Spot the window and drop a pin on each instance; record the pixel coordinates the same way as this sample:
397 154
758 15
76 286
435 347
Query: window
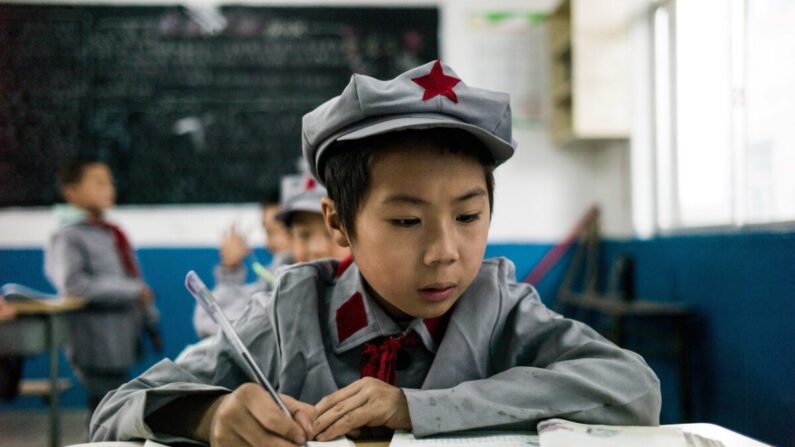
724 100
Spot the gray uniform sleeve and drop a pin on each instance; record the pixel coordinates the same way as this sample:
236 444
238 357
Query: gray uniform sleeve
544 366
66 267
232 296
210 368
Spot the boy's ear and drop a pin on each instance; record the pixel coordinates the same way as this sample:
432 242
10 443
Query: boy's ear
68 192
332 221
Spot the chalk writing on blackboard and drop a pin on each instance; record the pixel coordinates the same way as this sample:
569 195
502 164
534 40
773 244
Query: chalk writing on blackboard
182 115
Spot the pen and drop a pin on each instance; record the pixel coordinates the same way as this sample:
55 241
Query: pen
199 291
261 271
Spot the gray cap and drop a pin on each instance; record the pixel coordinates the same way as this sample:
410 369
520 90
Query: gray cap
299 193
427 96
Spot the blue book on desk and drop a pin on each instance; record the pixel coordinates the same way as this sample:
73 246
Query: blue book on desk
17 292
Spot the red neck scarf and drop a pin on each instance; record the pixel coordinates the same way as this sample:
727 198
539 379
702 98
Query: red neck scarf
123 247
380 360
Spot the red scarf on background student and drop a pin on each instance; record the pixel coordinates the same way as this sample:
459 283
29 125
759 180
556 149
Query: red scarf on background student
127 257
123 247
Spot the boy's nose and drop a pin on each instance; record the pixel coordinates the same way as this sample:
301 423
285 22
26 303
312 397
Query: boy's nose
441 247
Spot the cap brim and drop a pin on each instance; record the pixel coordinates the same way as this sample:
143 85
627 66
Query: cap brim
305 206
499 149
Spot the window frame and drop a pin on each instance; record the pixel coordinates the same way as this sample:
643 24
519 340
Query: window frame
665 185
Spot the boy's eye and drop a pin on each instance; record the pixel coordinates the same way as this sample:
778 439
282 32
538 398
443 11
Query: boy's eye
468 218
405 222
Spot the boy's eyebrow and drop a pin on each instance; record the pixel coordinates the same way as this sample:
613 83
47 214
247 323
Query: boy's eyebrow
407 198
474 192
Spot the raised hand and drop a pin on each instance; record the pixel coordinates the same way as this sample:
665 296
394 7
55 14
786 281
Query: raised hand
233 247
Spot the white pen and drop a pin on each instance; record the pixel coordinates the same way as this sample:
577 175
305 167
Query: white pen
199 291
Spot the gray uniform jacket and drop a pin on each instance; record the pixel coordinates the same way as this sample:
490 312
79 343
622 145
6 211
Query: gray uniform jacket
82 260
232 294
505 361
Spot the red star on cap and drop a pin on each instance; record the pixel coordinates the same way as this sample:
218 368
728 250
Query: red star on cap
309 184
437 83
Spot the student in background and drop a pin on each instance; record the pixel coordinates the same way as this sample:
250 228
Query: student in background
277 239
308 240
301 214
420 332
91 258
231 290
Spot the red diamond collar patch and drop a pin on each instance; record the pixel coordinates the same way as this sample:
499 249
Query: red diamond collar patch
437 83
351 317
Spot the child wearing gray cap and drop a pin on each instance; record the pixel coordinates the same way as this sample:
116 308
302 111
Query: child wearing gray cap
417 332
301 215
307 239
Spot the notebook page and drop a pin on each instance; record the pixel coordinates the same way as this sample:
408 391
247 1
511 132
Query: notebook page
562 433
483 439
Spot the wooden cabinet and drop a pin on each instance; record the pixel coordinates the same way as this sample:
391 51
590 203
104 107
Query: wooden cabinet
590 73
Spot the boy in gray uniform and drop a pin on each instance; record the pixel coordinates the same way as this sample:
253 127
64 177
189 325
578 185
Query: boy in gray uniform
232 291
303 216
308 240
419 332
90 258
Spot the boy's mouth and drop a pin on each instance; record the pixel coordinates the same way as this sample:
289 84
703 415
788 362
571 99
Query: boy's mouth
437 292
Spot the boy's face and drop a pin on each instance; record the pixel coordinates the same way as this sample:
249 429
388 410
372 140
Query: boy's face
310 240
277 238
95 191
421 230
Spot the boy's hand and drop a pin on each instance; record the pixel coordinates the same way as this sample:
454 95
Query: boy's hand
250 417
233 248
368 402
146 297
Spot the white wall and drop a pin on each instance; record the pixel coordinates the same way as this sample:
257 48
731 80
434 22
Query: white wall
540 193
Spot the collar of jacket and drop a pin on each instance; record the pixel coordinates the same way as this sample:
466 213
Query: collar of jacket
356 318
67 214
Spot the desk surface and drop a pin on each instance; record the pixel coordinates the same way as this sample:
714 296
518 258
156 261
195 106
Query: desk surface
712 431
46 307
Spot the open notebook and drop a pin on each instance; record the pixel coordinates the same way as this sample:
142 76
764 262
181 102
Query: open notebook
551 433
562 433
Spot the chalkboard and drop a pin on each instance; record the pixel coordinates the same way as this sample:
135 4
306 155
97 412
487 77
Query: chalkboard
183 110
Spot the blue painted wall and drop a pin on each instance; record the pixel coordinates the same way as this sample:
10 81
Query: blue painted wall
164 270
742 285
743 288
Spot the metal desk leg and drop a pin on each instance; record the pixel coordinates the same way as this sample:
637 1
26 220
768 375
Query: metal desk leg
55 416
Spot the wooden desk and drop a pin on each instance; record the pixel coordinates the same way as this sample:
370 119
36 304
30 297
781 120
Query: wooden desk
38 328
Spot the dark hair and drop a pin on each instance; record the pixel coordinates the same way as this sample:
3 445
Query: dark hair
346 169
71 172
271 197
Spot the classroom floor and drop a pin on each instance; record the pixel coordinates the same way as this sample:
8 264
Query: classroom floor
29 428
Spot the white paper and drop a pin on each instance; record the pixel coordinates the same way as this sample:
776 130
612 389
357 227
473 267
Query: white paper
561 433
339 442
511 51
492 439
